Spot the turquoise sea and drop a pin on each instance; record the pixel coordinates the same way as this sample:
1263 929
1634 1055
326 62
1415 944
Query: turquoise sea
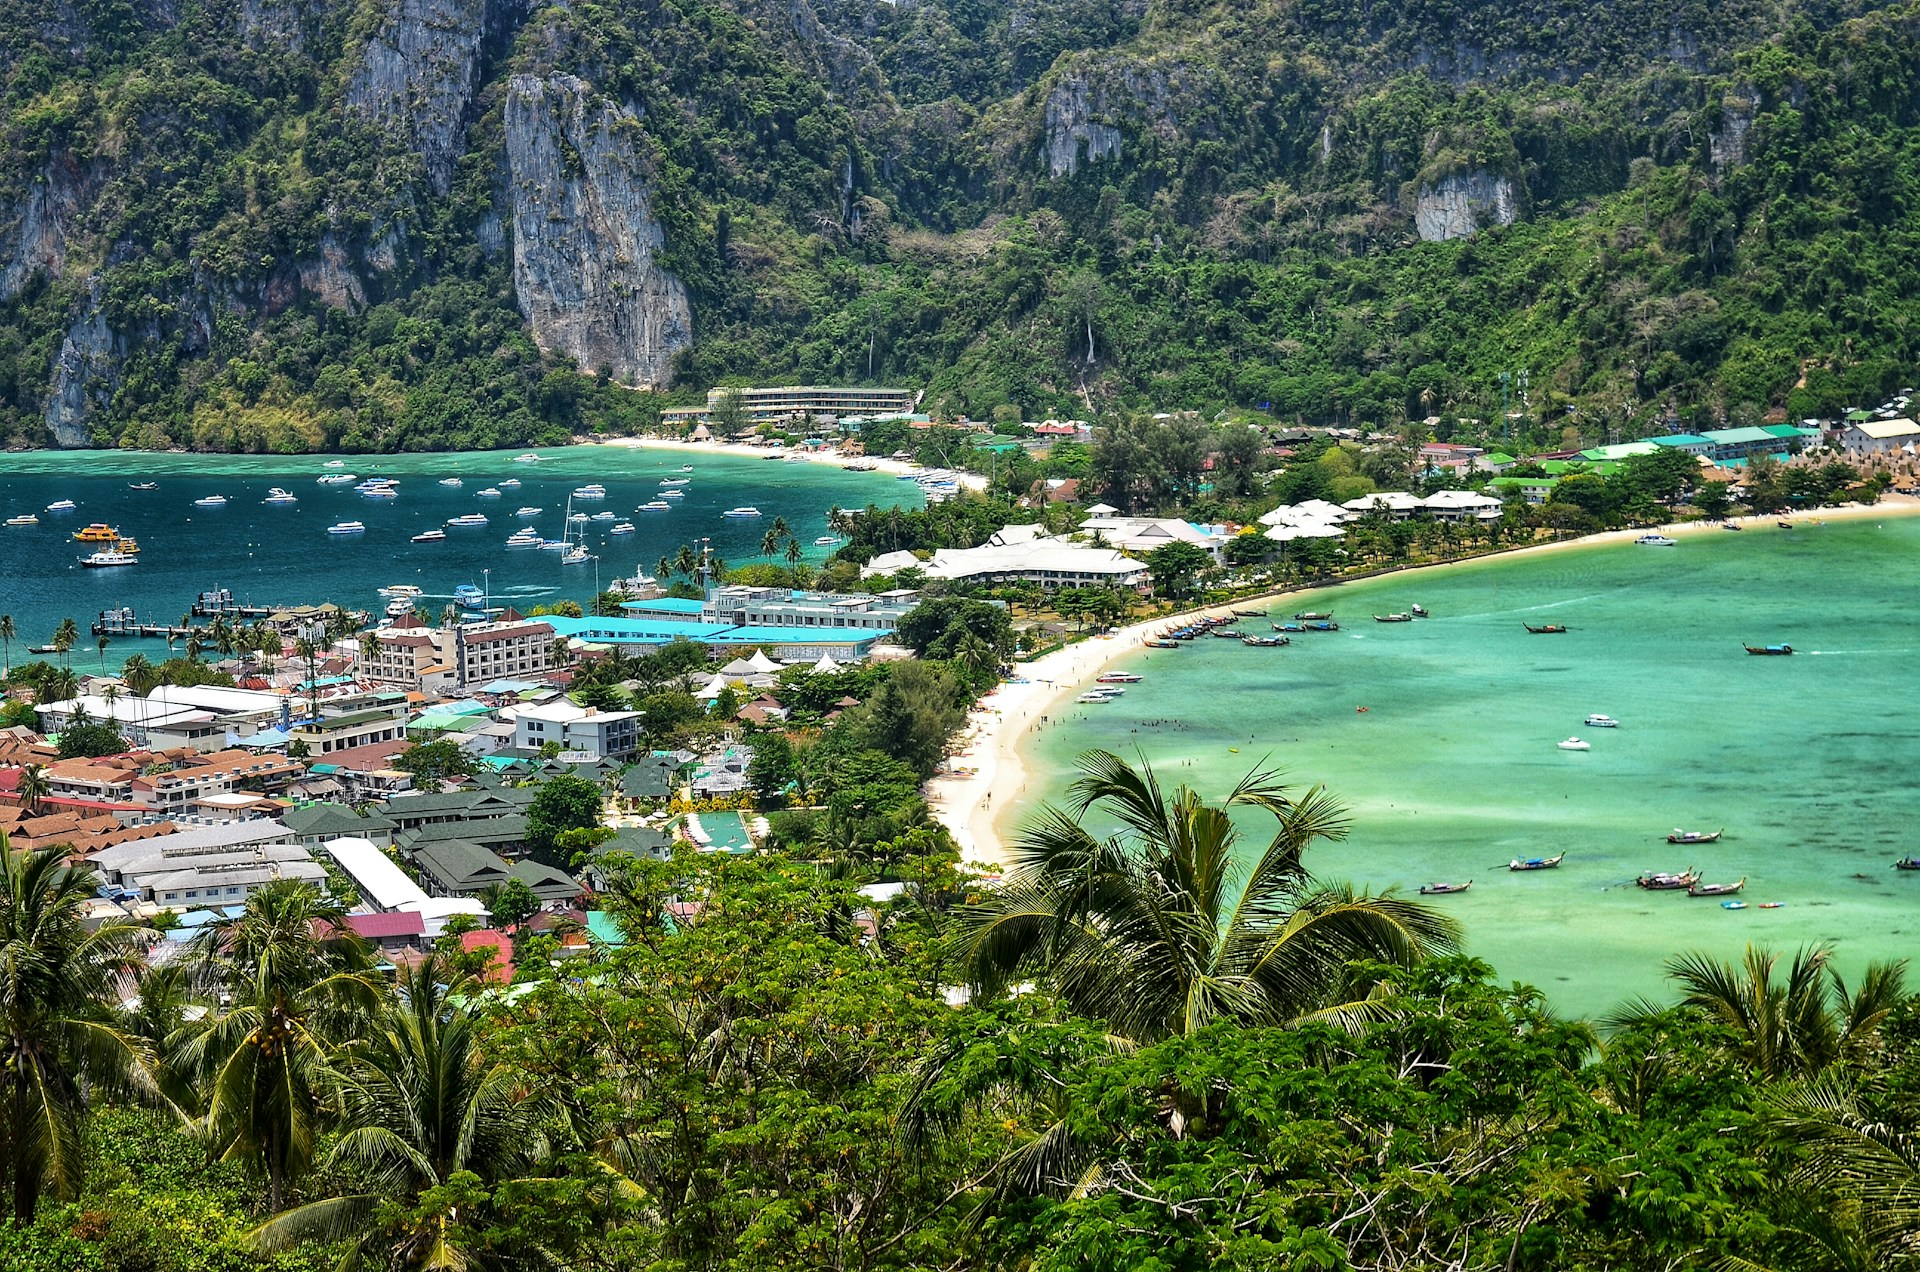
1452 769
284 555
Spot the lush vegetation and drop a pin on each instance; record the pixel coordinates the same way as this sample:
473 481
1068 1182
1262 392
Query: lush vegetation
214 244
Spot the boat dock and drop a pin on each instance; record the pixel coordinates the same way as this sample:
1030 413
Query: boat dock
220 603
124 624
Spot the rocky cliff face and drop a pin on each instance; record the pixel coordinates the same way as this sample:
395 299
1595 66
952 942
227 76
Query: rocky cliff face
585 241
1457 205
84 375
418 75
34 239
1076 115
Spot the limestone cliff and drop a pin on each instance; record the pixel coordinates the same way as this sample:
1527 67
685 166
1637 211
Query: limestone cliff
1076 115
85 374
417 76
585 241
34 238
1457 205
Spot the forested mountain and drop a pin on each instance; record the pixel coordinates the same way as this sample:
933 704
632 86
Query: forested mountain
295 224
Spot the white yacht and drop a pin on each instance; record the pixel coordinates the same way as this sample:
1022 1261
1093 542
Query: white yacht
1597 721
1655 541
528 458
468 519
109 557
576 556
431 536
825 541
528 511
509 483
210 501
1575 744
347 527
338 479
655 505
451 481
489 493
279 497
605 516
400 607
673 494
675 481
593 490
624 527
66 505
24 519
745 510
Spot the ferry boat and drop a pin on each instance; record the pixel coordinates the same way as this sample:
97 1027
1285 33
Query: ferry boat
624 527
279 497
407 590
347 527
469 596
655 505
129 545
97 532
468 519
675 481
400 607
489 493
528 538
337 479
451 481
746 510
109 557
528 511
593 490
60 505
211 501
430 536
143 485
1655 541
24 519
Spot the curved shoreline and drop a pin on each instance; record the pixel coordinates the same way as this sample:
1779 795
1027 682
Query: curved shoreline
988 755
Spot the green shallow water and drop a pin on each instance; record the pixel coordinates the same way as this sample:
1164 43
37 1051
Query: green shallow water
284 555
1452 770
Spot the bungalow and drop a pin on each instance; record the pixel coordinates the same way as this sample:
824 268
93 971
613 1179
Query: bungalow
1875 437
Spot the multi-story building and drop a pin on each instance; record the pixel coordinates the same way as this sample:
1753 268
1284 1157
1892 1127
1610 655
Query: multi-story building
358 728
172 792
743 606
410 653
206 865
805 401
585 730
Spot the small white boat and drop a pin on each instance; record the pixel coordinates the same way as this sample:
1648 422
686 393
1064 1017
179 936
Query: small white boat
109 557
1575 744
407 590
509 483
489 493
655 505
1096 696
673 494
528 511
24 519
605 516
66 505
337 479
399 607
468 519
686 468
451 481
1655 541
528 458
1597 721
430 536
592 491
745 510
625 527
554 545
676 481
211 501
335 463
576 556
347 527
825 541
578 518
279 497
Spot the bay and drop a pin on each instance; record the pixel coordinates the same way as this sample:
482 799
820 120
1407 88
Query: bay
284 555
1452 769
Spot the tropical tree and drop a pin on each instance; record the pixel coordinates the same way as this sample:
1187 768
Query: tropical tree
60 1044
1792 1027
422 1103
65 636
1165 927
295 981
60 685
7 632
100 644
34 786
1847 1150
139 674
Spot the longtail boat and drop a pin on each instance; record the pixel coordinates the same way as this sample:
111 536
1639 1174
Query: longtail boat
1716 889
1768 651
1443 889
1661 881
1695 836
1536 863
1548 629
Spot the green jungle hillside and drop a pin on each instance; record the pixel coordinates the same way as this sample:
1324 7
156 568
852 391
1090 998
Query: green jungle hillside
306 224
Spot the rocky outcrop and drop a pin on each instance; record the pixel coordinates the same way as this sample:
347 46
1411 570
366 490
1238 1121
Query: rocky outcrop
1727 144
1075 117
1457 205
417 76
330 277
85 374
275 24
34 239
585 241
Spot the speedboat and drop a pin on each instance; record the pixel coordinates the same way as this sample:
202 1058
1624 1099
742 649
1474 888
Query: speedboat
469 596
109 557
745 510
97 532
624 527
686 468
656 505
528 458
605 516
1096 696
673 494
825 541
1695 836
143 485
407 590
451 481
468 519
1597 721
211 501
24 519
1655 541
337 479
279 497
508 483
593 490
399 607
576 556
675 481
1575 744
430 536
1118 678
528 511
335 463
347 527
489 493
1418 611
66 505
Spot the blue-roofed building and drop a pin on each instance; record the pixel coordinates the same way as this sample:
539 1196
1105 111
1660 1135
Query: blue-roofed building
1739 443
738 605
789 644
1691 443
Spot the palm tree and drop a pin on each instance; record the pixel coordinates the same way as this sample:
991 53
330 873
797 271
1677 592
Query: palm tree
685 562
59 1042
769 545
100 644
60 685
1159 930
1848 1151
295 979
794 556
7 632
65 636
421 1101
194 646
1791 1028
33 788
138 672
370 648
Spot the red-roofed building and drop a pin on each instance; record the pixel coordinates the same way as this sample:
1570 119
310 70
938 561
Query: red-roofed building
500 970
391 933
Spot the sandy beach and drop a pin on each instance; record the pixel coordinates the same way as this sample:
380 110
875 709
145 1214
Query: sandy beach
829 459
987 759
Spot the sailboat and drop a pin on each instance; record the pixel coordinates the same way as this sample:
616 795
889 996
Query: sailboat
575 552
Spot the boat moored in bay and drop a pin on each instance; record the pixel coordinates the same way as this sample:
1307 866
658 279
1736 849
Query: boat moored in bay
1695 836
1545 629
1443 889
1536 863
1716 889
1769 651
1666 881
